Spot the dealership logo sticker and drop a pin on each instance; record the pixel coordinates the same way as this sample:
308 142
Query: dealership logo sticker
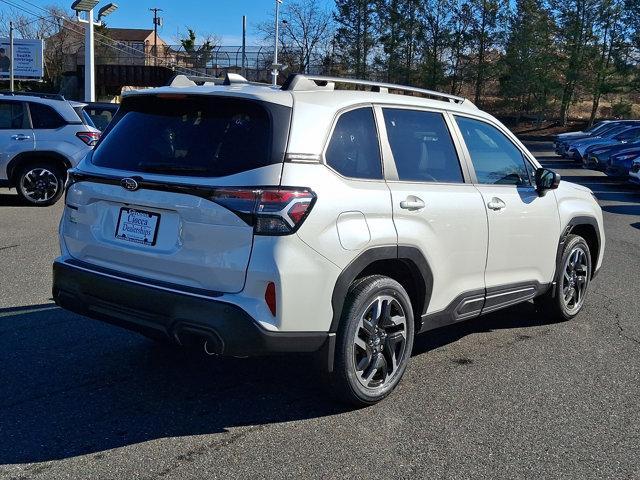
129 184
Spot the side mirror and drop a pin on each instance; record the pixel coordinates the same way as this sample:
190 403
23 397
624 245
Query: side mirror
546 180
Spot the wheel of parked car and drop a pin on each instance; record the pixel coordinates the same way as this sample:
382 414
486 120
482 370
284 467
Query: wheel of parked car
374 340
573 275
40 184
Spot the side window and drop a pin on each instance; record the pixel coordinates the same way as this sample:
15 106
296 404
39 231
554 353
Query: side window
495 158
100 118
354 150
13 116
422 147
45 117
532 171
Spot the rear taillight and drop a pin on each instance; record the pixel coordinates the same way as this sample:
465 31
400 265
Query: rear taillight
90 138
271 211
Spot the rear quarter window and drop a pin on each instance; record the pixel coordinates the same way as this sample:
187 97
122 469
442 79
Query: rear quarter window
354 150
43 117
204 136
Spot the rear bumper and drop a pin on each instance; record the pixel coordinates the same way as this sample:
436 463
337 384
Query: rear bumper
179 317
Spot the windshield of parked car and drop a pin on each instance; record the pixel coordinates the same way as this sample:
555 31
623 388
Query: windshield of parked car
192 135
628 134
598 128
614 130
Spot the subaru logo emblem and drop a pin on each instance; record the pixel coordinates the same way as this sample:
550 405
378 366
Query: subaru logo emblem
129 184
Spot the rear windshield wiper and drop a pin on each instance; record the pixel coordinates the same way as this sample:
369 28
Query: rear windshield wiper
172 168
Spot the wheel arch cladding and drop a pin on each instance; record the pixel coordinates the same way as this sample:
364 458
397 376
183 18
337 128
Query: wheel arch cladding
405 264
587 228
36 156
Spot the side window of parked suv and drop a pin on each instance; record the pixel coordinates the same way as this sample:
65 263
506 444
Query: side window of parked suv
13 116
422 147
45 117
354 150
495 158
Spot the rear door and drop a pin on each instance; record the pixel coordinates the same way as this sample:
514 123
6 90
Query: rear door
524 227
156 198
16 135
435 207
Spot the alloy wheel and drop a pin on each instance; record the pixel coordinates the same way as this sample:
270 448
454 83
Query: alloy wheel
39 185
380 342
575 280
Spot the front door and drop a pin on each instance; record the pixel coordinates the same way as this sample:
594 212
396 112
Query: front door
524 227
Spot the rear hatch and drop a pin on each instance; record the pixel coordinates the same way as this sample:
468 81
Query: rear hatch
168 192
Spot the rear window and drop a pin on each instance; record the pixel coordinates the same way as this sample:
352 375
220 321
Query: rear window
195 136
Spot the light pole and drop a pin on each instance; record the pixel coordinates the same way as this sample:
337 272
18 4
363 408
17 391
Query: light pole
87 7
276 65
11 55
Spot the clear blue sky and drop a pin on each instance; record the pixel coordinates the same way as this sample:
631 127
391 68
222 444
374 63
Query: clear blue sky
219 17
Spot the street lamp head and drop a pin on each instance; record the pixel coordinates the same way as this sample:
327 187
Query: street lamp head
84 5
108 9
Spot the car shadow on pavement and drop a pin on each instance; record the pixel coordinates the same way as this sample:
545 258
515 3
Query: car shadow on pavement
523 315
10 200
72 386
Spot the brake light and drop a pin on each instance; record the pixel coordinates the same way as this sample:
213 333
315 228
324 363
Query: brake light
90 138
271 211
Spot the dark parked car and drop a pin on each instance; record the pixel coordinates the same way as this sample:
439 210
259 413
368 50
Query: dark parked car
101 113
597 156
605 130
620 163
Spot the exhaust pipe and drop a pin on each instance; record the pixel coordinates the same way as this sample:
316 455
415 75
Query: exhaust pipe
198 337
207 350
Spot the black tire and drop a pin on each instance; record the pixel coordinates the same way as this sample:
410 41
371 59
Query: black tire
553 303
389 342
48 179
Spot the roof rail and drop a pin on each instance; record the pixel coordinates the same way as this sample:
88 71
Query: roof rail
302 82
49 96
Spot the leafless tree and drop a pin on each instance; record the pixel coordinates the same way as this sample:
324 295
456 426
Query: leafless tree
56 27
306 29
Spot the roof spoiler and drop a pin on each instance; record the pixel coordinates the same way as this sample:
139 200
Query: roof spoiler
192 81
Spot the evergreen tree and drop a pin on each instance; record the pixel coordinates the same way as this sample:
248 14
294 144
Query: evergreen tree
355 34
529 78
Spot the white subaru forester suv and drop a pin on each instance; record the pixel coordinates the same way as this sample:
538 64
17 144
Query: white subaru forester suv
254 220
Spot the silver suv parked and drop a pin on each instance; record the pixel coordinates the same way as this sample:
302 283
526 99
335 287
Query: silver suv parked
41 137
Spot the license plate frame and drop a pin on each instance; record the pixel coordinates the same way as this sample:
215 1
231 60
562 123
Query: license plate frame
146 221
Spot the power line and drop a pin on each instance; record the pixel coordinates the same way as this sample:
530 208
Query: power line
66 22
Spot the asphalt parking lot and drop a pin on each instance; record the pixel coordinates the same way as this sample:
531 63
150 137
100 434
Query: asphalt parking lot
509 395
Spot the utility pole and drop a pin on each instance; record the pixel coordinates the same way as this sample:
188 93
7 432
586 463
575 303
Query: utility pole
11 86
275 65
156 21
244 46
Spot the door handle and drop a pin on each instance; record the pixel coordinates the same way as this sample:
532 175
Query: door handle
496 204
20 136
412 203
